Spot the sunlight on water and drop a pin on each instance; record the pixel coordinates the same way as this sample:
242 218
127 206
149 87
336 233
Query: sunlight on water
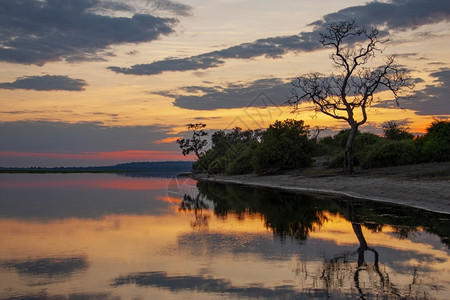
113 237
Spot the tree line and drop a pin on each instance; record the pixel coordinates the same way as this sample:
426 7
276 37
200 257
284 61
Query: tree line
289 144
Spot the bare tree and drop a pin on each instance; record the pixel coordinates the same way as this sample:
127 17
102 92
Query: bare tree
197 142
348 94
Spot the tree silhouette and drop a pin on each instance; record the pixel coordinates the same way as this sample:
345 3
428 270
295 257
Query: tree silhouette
197 142
347 95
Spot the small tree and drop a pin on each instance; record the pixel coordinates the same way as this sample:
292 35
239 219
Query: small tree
197 142
347 95
395 132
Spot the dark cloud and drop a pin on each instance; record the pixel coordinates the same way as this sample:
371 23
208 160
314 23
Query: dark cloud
271 47
394 15
45 83
41 136
205 118
260 93
37 32
434 99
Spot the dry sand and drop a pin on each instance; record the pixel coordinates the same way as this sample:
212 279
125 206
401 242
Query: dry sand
425 186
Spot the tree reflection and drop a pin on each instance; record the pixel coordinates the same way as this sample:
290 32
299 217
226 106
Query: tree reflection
295 215
286 214
384 284
377 282
196 204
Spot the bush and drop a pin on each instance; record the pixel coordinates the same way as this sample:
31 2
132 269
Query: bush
326 146
395 132
284 145
364 142
226 147
337 161
390 153
241 162
218 165
435 144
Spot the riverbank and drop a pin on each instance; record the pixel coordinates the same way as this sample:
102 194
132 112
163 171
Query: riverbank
425 186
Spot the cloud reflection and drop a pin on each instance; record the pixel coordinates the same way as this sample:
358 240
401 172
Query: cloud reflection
205 284
49 266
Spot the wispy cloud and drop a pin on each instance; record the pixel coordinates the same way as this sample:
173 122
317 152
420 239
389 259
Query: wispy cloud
37 32
45 83
393 15
171 6
168 140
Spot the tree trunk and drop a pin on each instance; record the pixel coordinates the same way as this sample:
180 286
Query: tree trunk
349 150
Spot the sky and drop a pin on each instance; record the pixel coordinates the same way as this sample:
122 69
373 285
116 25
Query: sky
99 82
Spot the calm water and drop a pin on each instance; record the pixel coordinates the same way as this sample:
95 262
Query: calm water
104 236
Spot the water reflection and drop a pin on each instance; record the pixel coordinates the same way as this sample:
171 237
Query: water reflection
296 216
48 267
198 205
61 237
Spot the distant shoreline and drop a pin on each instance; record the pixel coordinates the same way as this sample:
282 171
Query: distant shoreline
424 186
132 167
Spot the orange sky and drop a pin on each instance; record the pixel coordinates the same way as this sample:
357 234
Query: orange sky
121 88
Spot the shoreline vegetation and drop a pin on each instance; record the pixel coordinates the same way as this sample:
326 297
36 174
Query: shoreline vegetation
425 186
395 167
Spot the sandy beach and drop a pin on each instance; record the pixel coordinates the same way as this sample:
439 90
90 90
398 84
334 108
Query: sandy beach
425 186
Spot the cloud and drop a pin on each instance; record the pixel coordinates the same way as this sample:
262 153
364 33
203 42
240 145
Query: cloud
38 32
55 144
271 48
168 140
434 99
394 15
58 137
259 93
171 6
45 83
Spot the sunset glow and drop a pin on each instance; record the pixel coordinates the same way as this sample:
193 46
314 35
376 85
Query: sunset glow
106 88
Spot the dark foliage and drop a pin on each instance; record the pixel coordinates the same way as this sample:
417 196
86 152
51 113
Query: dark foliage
284 145
395 132
391 153
196 143
435 144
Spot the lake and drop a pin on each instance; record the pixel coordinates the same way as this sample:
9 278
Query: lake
109 236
